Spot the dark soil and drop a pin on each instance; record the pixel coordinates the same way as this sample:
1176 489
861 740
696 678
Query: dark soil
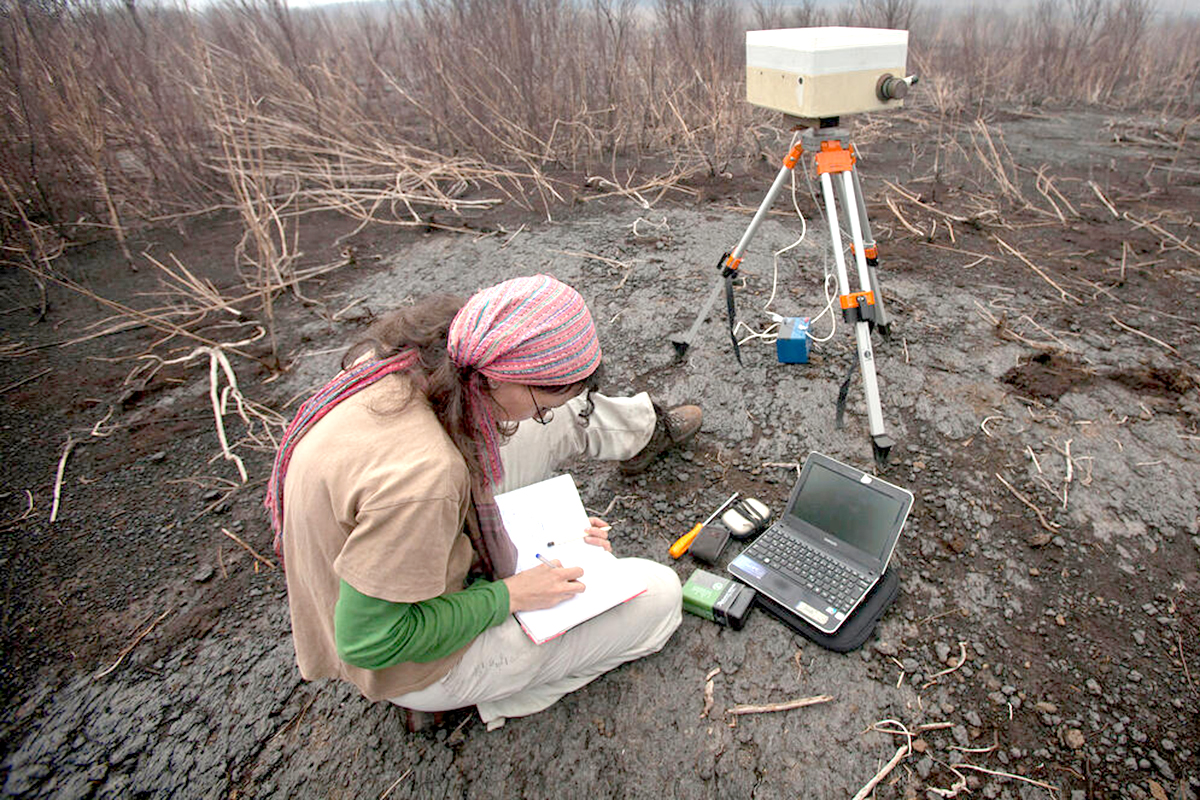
1058 646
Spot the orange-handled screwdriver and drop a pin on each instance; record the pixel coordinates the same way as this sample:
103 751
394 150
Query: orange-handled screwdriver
684 542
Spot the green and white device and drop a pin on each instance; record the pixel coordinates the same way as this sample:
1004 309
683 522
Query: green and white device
720 600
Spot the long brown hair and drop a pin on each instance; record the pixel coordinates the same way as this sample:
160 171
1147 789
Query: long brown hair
424 328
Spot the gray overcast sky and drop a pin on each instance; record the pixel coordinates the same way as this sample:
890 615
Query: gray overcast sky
1169 7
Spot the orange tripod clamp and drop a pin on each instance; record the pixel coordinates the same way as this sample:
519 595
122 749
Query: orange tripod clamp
793 156
858 306
870 252
834 158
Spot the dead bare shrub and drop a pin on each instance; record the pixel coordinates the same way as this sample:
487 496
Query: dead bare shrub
105 124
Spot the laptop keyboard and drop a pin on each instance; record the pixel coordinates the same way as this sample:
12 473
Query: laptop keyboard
809 567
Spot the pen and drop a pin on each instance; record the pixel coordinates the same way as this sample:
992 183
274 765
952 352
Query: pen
546 561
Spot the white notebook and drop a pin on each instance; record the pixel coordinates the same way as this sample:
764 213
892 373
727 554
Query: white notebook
551 511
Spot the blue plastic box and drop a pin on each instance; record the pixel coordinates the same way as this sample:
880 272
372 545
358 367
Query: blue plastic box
792 345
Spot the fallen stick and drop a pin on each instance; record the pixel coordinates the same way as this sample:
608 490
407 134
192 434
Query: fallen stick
617 498
999 774
136 315
1143 335
1041 517
980 256
915 200
786 465
933 726
581 254
1070 472
1043 185
785 706
58 478
395 783
956 787
1163 232
1033 456
249 549
870 785
292 723
962 659
24 381
899 730
1013 251
1186 672
129 647
986 420
217 360
902 220
12 523
708 691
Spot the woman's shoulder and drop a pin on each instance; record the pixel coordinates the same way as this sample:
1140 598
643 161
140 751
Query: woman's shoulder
393 431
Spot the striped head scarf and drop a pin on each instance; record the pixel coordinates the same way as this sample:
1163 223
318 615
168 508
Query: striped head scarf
535 331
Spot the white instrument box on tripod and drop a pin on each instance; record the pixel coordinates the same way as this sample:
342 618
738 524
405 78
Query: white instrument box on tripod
816 73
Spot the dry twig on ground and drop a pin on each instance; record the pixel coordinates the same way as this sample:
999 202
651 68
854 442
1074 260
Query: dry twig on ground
257 557
1040 272
395 783
58 476
785 706
26 380
962 659
901 752
1050 526
1145 336
997 773
129 647
24 515
709 686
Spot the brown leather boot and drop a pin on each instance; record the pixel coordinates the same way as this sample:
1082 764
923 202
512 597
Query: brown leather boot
417 721
673 427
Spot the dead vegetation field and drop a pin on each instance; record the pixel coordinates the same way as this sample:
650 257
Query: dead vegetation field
201 209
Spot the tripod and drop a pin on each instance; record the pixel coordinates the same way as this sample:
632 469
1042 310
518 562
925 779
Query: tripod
864 309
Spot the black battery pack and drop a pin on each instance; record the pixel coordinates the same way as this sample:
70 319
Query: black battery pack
709 543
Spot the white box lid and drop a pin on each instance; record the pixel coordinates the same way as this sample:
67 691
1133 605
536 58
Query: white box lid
824 51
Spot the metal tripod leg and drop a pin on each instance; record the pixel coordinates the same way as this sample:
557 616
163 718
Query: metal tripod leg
882 321
881 443
682 341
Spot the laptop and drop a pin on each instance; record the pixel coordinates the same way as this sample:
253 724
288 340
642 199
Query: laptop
831 544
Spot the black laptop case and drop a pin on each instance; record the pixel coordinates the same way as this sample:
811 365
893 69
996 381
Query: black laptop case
857 628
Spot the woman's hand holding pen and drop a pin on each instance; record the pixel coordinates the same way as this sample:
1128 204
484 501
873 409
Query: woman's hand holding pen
544 586
549 583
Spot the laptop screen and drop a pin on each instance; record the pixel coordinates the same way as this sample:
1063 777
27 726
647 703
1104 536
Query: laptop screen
844 508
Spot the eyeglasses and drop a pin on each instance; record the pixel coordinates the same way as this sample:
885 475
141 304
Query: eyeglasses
541 414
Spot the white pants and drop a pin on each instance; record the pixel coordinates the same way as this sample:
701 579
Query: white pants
503 673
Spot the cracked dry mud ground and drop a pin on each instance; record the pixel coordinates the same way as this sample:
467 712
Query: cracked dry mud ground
1067 643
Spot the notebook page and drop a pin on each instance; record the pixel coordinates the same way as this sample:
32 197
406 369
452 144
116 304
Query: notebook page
551 511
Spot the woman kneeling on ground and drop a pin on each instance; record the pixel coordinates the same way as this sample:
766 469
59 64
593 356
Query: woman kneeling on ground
381 499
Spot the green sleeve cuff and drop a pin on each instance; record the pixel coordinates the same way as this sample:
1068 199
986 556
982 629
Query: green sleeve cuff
373 634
